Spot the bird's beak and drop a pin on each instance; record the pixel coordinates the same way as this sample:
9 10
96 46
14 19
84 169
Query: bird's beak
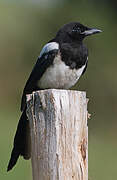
91 31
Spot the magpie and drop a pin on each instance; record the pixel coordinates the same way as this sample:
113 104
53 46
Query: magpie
60 64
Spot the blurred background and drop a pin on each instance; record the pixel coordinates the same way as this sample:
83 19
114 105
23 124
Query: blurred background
25 26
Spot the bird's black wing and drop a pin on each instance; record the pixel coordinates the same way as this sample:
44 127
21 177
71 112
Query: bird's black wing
22 137
40 67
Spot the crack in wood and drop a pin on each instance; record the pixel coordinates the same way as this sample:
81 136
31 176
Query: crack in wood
83 150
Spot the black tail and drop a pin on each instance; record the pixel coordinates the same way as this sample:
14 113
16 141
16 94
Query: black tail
21 141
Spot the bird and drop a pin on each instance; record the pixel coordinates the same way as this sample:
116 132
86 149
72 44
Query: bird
59 66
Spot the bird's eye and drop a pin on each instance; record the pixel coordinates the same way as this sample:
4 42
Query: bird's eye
76 29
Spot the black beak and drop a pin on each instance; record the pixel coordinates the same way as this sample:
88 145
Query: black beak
91 31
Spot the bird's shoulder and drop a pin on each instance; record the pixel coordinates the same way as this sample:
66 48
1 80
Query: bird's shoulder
48 48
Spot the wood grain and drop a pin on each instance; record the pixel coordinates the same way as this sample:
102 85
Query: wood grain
59 134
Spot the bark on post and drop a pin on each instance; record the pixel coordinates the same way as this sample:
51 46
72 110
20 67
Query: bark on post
59 134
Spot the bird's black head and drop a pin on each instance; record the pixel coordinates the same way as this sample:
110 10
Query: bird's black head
75 31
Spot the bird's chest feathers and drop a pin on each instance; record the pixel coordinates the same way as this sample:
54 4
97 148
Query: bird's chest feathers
74 55
59 75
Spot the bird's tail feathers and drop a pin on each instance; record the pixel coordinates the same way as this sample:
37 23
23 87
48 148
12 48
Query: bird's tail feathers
21 141
14 157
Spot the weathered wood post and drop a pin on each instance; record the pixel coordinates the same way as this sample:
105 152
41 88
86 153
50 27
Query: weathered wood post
59 134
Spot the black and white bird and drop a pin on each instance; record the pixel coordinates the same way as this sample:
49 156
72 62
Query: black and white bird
60 64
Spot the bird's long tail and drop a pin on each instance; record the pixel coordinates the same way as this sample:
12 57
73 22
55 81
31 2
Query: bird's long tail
21 141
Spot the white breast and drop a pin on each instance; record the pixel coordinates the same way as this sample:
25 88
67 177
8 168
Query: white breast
60 76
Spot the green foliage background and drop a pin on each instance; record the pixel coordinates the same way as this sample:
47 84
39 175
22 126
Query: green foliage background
25 27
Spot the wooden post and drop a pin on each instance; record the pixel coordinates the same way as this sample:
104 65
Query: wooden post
59 134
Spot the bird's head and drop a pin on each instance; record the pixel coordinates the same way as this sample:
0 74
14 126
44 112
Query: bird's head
75 31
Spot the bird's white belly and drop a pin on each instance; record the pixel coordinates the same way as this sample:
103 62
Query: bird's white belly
60 76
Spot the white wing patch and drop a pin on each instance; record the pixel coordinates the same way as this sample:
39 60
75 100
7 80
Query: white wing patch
49 47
